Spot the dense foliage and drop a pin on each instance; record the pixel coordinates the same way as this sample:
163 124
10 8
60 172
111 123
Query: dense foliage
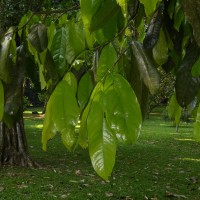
100 60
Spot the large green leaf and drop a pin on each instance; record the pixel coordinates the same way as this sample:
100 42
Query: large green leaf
5 65
150 6
107 60
148 72
49 130
88 10
160 50
65 112
1 101
122 109
196 132
38 37
51 31
83 132
75 38
192 11
174 110
102 145
58 50
85 88
106 12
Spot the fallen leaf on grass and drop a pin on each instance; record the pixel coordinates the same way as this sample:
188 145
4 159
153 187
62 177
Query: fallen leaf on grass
109 194
171 195
1 188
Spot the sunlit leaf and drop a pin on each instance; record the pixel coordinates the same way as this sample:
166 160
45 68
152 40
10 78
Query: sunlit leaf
107 60
122 109
150 6
75 40
65 112
174 110
85 88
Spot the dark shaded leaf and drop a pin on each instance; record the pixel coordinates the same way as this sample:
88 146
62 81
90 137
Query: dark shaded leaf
154 27
192 11
38 37
187 86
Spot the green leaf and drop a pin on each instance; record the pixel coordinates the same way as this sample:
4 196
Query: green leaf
107 11
122 109
5 65
71 80
1 101
38 37
102 145
174 110
51 31
192 12
196 68
85 88
178 16
107 60
160 50
88 10
75 38
196 133
150 6
65 112
123 5
49 130
148 72
58 50
83 132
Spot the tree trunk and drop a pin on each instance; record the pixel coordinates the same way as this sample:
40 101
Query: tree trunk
13 146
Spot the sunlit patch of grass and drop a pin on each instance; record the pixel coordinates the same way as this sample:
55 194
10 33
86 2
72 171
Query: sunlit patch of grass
161 163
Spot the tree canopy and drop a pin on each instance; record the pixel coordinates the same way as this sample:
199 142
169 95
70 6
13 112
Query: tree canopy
100 60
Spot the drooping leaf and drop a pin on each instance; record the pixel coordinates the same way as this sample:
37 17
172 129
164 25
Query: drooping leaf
58 50
102 145
65 112
196 133
107 60
186 92
150 6
178 16
51 31
160 50
122 109
174 110
75 39
148 72
85 88
5 61
83 132
1 101
71 80
38 37
154 27
192 11
49 130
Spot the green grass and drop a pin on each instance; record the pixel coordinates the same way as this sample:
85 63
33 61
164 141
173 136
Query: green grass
161 165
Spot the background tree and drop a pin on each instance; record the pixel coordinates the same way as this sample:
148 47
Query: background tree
99 64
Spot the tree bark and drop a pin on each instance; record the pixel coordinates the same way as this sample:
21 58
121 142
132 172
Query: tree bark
13 146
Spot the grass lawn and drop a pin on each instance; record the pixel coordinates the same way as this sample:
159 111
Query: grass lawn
161 165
